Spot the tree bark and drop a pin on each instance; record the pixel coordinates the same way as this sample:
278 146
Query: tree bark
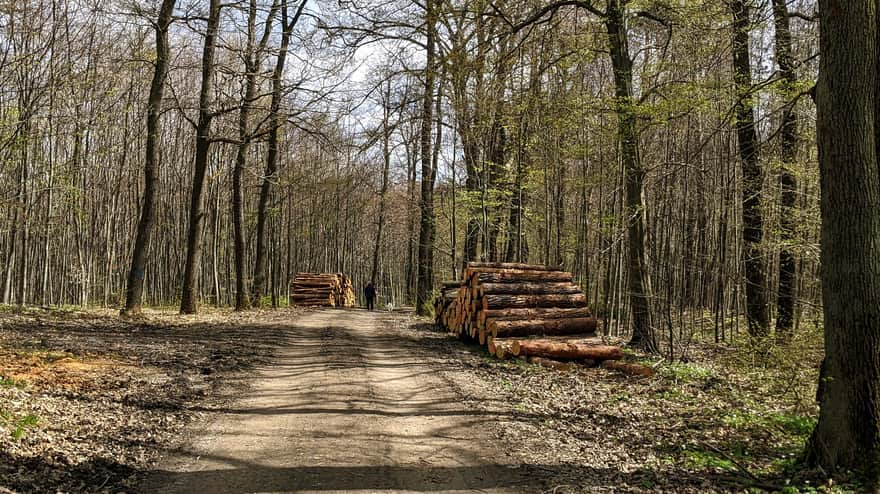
549 327
847 435
189 298
637 265
566 350
527 288
534 301
757 306
787 179
514 314
425 278
522 276
386 167
253 60
135 284
275 121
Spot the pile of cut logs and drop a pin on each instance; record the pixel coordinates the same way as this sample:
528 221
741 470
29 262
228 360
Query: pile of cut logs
322 290
524 310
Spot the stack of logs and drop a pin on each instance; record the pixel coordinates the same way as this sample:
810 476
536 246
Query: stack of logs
322 290
525 310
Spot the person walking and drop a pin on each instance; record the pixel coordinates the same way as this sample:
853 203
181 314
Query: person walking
370 295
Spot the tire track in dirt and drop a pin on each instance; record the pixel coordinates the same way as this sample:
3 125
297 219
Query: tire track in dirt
346 406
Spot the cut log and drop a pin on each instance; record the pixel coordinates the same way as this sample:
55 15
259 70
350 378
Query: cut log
314 284
531 288
629 368
533 301
501 348
312 291
550 327
508 314
323 289
552 364
512 265
520 276
564 350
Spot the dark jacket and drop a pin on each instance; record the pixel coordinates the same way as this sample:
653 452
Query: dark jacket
370 291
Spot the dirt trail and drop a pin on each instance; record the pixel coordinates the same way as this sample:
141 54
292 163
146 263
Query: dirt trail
347 406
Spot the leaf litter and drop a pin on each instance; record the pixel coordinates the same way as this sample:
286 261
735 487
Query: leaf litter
89 400
728 419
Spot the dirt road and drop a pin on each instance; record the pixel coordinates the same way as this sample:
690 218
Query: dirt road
347 406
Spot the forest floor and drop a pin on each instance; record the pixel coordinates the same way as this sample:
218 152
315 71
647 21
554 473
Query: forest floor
343 400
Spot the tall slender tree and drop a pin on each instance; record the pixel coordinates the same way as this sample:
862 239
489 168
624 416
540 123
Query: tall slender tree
190 292
275 123
135 285
387 129
757 305
427 226
626 106
253 58
787 178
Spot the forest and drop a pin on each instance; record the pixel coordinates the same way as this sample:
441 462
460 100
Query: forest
707 170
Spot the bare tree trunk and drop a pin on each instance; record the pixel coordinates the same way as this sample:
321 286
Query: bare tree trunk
135 285
386 167
637 265
275 121
253 59
757 306
189 298
427 227
788 182
847 436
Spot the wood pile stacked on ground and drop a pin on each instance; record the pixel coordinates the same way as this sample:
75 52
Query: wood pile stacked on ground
322 290
523 310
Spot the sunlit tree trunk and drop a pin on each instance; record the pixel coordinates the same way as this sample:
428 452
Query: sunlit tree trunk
137 271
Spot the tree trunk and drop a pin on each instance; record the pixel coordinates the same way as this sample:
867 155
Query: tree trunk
425 277
787 180
529 288
757 306
534 301
275 122
386 167
522 276
847 436
549 327
189 298
514 314
253 60
241 296
637 266
566 350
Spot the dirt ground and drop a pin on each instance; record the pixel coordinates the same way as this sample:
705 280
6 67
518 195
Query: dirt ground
346 400
88 400
346 406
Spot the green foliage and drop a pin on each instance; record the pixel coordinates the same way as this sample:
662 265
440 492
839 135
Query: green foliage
799 426
266 301
18 425
428 309
8 382
703 460
687 373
